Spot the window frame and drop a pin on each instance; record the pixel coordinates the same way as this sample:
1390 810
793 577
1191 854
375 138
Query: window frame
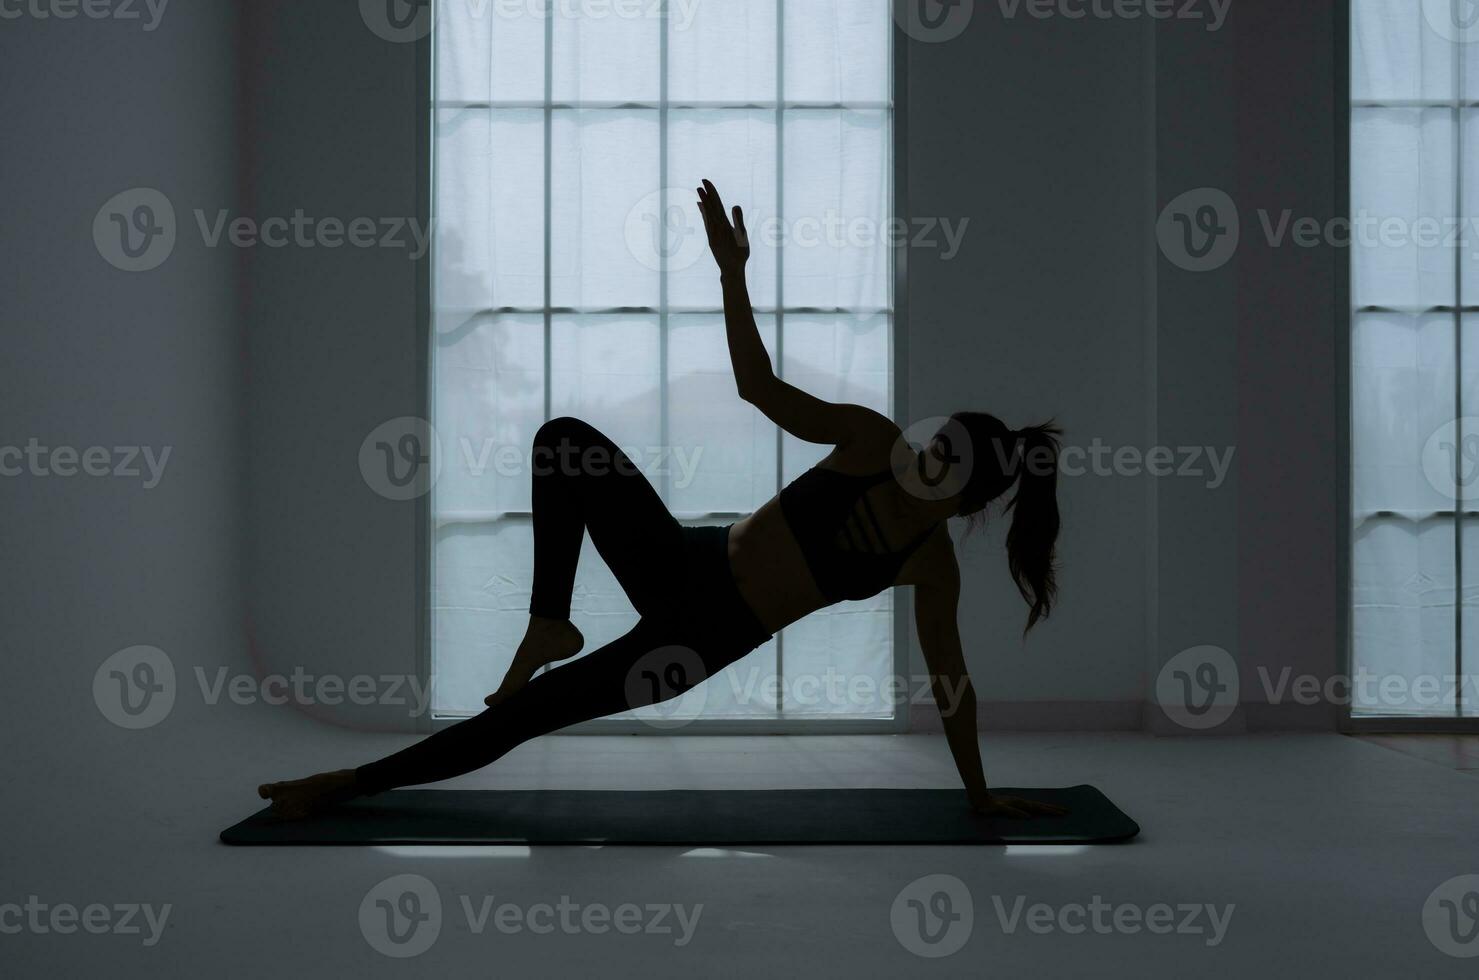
902 604
1345 312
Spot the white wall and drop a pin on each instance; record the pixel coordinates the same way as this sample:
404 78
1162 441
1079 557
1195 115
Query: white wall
95 356
1289 513
1064 140
1037 131
330 127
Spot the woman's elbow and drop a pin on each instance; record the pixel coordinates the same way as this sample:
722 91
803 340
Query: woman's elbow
753 388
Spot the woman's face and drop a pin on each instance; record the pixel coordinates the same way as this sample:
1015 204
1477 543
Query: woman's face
940 469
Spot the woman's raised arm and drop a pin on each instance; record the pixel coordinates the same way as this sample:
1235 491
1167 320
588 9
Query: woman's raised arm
804 416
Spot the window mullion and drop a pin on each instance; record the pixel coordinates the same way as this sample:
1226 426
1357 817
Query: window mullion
1458 385
665 427
780 297
549 172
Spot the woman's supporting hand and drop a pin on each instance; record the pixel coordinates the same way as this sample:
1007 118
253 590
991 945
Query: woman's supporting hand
730 244
1014 806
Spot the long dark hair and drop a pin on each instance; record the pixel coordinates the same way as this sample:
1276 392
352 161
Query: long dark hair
1028 458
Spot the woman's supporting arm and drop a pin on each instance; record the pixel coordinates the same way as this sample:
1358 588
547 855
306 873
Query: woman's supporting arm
936 605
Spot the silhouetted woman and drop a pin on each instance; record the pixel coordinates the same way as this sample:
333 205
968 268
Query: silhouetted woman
872 515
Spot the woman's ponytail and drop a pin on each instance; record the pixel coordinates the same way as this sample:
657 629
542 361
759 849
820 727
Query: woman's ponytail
1033 536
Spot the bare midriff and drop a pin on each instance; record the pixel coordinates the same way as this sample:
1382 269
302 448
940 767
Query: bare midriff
770 571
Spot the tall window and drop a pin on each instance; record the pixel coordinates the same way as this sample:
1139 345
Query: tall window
1415 358
572 278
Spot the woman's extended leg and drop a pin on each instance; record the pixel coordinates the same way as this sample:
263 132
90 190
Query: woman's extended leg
604 682
582 481
643 667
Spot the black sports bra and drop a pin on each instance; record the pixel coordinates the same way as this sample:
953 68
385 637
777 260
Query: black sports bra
840 540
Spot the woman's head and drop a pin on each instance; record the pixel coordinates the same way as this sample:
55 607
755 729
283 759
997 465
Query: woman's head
990 459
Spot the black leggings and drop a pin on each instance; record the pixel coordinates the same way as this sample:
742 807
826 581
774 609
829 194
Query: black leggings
694 621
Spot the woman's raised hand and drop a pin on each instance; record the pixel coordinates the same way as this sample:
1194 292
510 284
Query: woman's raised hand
729 243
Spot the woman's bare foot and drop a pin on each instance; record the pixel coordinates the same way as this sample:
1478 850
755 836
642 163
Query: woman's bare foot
546 641
300 797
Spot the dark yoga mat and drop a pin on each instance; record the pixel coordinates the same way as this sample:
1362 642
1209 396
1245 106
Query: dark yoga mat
691 818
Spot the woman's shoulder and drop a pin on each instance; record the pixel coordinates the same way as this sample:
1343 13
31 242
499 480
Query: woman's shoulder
871 449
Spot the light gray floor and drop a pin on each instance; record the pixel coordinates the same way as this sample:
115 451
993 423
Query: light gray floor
1326 849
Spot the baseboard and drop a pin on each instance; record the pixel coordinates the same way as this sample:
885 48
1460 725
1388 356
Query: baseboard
1286 717
1039 716
1157 722
1130 716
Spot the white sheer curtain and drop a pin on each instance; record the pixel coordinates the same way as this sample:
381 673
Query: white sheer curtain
571 278
1414 353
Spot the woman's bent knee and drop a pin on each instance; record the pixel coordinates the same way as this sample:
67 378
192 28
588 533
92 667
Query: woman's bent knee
566 430
570 447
